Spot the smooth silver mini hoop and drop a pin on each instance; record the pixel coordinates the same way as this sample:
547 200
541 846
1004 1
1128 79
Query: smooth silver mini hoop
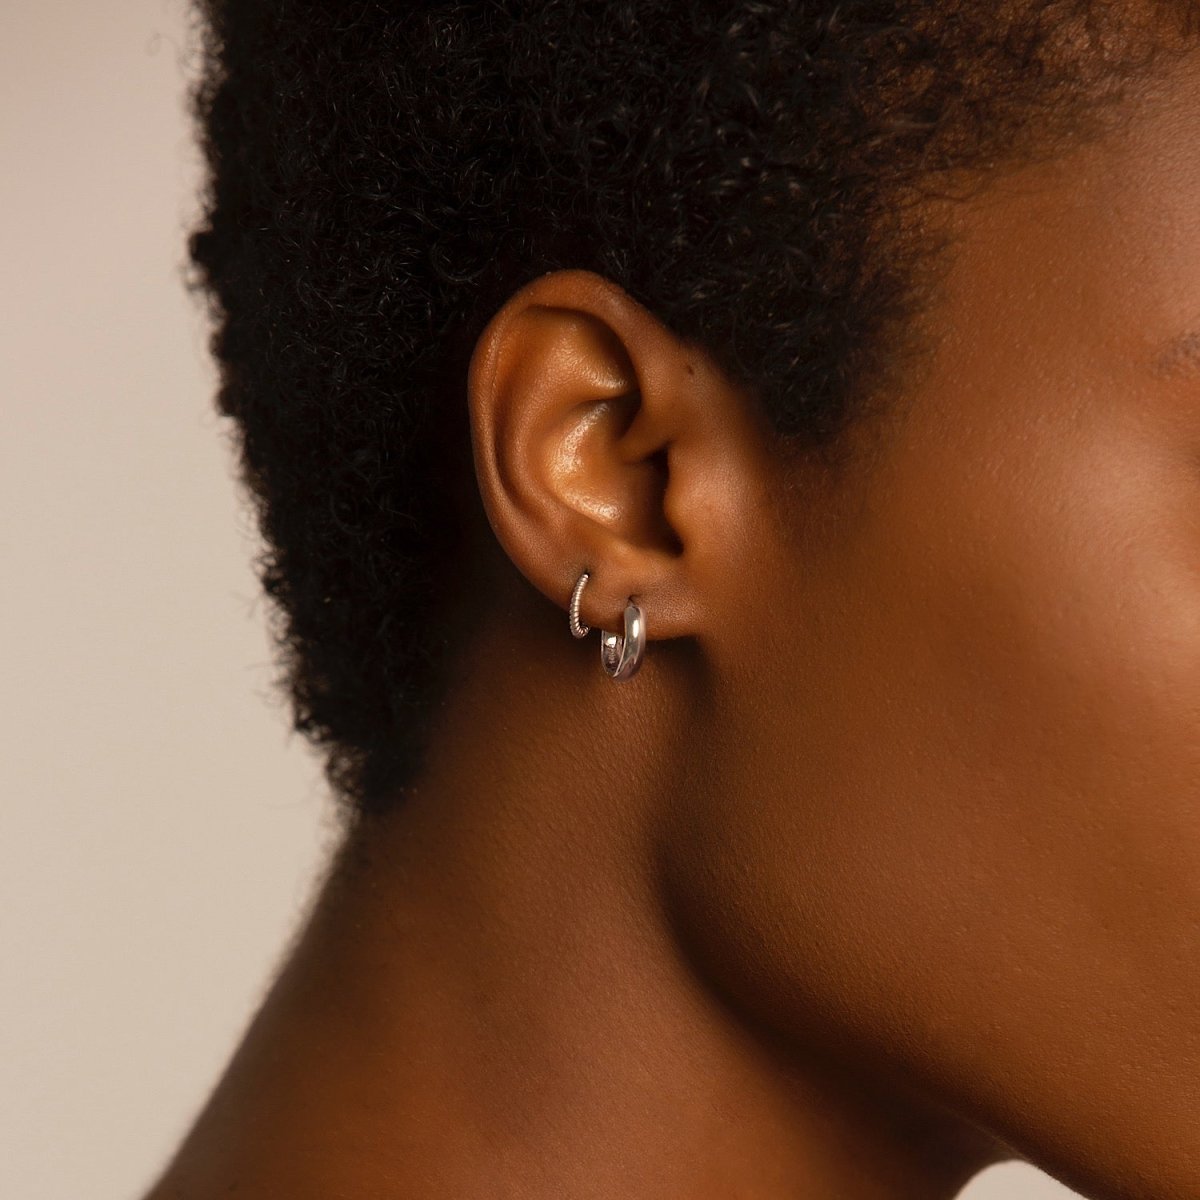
620 654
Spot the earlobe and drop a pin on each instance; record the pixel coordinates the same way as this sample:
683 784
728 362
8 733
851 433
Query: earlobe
593 440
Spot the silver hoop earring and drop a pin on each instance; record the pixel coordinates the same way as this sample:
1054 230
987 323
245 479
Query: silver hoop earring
578 628
622 655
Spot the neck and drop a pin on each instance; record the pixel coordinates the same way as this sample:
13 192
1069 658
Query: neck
489 1000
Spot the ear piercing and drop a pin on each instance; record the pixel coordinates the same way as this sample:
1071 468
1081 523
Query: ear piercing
621 654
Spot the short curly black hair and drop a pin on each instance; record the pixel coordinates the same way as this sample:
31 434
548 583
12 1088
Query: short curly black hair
381 176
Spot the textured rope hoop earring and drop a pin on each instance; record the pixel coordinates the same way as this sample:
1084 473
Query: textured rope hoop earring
578 628
622 655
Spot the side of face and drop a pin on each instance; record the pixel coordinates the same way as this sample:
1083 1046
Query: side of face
948 813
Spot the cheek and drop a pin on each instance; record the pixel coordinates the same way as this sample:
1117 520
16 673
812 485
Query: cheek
968 844
1037 622
1055 610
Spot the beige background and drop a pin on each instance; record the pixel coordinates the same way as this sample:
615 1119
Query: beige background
159 829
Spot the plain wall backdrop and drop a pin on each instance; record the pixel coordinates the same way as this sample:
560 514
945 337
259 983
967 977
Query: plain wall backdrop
160 830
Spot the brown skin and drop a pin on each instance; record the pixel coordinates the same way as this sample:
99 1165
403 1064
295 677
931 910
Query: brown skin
887 864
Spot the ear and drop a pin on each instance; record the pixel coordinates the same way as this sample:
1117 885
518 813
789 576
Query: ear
603 442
